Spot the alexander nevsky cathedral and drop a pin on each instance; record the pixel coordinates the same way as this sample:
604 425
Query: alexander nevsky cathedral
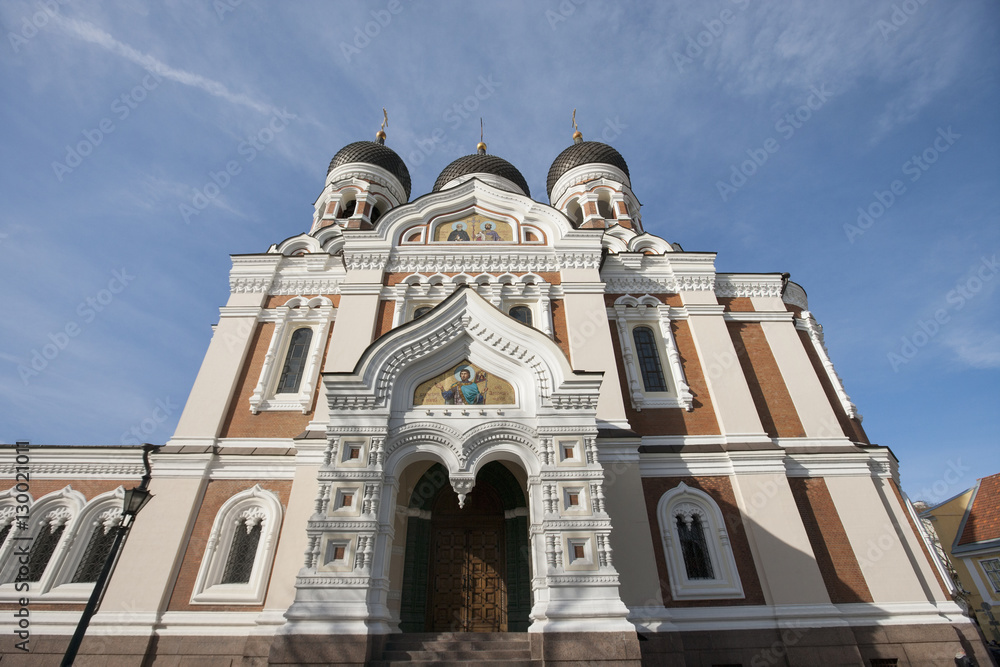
482 426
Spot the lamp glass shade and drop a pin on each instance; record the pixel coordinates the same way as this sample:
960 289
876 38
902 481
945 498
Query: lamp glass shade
135 499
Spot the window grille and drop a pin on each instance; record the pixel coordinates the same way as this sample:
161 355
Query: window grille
42 550
992 569
295 361
649 359
521 314
96 554
242 553
697 561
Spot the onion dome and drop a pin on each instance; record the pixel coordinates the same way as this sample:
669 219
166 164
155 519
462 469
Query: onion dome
481 163
583 152
374 153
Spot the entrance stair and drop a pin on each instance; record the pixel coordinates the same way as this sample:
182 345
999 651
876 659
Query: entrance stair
508 649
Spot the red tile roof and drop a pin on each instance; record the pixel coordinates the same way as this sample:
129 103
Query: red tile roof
983 523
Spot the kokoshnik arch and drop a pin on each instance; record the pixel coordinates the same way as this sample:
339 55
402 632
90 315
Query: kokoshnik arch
475 412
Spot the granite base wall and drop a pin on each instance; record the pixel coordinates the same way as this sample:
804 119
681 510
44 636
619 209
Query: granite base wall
931 645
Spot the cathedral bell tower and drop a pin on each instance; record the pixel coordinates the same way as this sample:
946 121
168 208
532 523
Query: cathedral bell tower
589 182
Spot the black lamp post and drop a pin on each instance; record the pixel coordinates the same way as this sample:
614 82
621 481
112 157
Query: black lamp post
135 499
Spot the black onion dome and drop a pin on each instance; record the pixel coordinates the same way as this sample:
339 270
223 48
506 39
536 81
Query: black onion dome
585 152
380 155
478 163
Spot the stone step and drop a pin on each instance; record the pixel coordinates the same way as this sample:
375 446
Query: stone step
453 655
507 649
456 645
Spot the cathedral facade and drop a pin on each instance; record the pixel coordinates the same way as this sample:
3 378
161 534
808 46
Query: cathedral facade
475 426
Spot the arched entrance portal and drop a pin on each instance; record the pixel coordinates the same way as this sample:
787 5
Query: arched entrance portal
467 569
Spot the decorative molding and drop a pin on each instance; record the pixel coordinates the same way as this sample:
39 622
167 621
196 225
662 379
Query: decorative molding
809 324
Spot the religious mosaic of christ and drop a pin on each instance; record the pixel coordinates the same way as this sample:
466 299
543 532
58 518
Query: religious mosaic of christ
474 229
464 384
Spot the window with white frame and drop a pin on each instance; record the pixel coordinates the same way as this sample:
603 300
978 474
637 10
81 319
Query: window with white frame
649 353
992 569
48 533
240 550
699 557
291 366
90 540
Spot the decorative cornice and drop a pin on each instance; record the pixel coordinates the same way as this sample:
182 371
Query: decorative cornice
249 284
739 287
286 286
355 261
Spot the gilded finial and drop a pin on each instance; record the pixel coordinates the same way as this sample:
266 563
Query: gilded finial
577 135
380 135
481 147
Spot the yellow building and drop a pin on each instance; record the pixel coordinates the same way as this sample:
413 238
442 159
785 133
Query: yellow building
968 526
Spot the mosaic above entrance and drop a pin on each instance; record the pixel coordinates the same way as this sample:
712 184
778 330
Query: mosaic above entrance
464 384
474 229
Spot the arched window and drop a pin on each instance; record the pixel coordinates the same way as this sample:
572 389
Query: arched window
347 209
237 560
604 209
649 359
521 314
575 213
295 361
242 553
699 558
421 311
102 538
44 545
691 534
376 214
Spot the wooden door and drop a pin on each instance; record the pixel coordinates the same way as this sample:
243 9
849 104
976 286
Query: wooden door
467 590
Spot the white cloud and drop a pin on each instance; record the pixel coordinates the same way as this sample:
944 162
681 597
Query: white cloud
88 32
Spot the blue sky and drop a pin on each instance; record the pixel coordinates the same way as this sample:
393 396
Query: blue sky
115 117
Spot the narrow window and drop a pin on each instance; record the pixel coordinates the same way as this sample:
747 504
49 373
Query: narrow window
575 213
992 569
295 361
242 553
604 209
691 534
354 453
522 314
649 359
347 209
376 214
42 550
574 499
96 554
578 552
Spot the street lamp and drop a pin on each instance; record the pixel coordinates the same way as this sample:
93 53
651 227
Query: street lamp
135 499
